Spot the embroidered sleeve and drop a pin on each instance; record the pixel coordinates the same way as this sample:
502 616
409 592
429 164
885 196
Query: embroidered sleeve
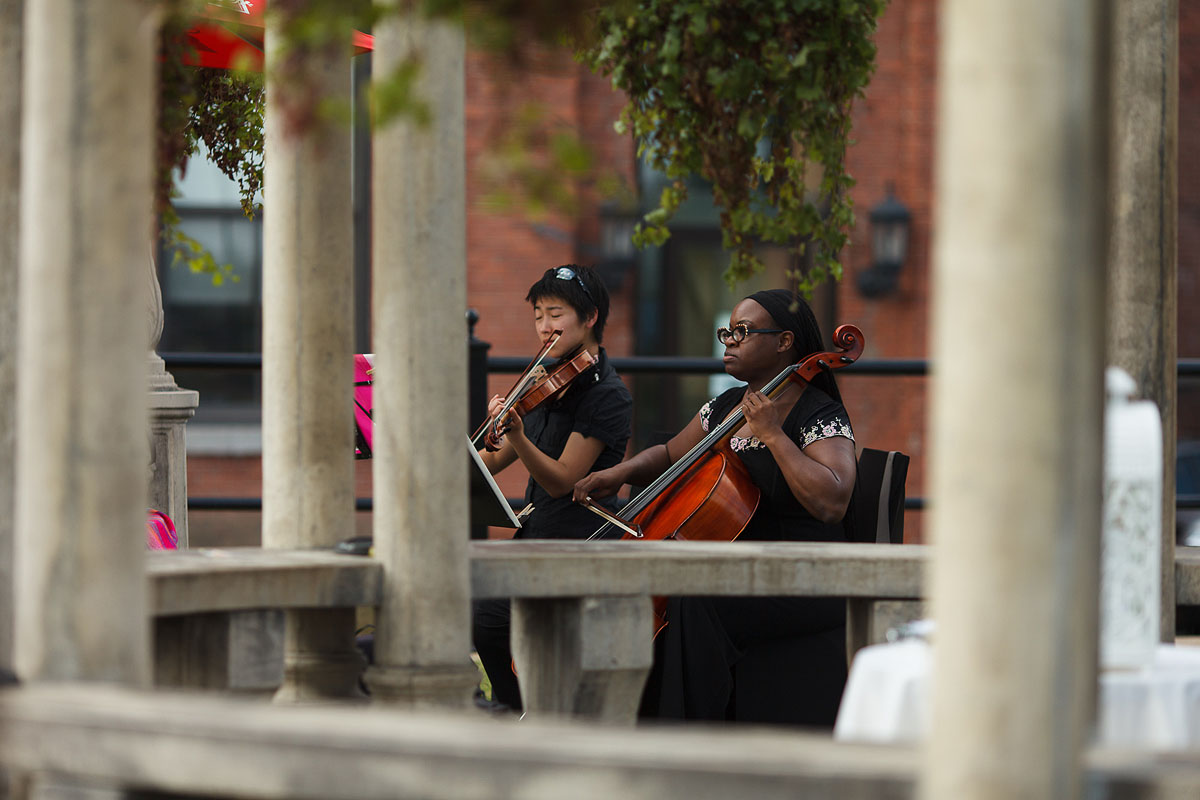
826 429
705 415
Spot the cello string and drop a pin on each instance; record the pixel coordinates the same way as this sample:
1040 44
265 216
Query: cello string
846 337
651 492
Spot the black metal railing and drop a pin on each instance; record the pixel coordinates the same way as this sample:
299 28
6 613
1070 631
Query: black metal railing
631 365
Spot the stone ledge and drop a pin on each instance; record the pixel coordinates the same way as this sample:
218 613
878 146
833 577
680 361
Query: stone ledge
583 569
170 741
194 581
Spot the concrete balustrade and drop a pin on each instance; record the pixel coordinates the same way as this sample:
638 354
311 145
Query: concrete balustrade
570 596
170 742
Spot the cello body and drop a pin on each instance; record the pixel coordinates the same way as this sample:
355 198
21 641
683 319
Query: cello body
713 501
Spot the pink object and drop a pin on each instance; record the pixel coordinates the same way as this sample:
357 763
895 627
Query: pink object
160 531
364 432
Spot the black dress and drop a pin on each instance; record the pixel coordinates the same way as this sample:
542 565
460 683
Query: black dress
793 647
596 405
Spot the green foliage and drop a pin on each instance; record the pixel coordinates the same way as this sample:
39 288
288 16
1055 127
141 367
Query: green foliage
219 109
755 97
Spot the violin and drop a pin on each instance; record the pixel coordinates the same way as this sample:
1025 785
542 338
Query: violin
535 387
535 371
708 493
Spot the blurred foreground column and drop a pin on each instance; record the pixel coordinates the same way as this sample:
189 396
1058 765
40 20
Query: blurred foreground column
419 275
308 356
1017 401
1143 240
11 29
82 452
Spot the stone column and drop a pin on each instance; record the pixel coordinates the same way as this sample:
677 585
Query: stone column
421 524
170 409
11 27
86 215
308 356
1017 397
1143 243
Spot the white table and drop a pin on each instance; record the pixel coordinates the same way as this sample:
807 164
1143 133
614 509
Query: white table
1154 708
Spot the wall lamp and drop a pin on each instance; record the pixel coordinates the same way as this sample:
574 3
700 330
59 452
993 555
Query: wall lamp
890 223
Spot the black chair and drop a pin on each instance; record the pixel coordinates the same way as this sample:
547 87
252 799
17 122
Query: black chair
878 512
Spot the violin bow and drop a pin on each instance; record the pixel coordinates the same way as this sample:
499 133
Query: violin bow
514 393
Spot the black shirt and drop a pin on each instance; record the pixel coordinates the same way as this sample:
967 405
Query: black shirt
780 516
598 405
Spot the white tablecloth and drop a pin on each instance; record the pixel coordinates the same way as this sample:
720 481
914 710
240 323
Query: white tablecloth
1157 707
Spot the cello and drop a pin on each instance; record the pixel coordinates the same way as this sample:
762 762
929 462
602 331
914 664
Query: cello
707 494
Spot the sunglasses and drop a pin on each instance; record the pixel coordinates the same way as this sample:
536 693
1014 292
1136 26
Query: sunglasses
739 332
567 274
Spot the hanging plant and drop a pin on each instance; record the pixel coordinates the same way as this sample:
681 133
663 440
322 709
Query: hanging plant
754 97
219 109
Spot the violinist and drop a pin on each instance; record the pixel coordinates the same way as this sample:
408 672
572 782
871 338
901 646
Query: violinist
583 428
799 451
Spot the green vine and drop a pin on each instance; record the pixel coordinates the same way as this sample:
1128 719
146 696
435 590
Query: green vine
755 97
219 109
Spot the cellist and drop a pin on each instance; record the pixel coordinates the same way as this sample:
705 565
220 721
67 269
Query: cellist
585 428
799 451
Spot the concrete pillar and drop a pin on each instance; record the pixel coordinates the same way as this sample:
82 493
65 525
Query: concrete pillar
86 218
1143 242
308 359
170 409
11 28
1017 397
421 524
583 656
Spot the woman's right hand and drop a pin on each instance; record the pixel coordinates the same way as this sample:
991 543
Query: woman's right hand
494 405
597 485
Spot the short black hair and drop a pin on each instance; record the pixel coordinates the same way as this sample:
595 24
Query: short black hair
581 287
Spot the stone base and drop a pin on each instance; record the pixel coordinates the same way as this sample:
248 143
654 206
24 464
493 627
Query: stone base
319 679
584 657
321 662
443 686
170 408
238 651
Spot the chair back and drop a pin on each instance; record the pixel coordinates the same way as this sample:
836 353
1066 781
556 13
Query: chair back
879 497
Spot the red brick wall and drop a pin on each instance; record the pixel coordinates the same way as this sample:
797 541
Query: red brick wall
894 133
894 127
506 253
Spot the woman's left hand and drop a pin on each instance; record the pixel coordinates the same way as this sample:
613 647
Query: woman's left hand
761 415
514 426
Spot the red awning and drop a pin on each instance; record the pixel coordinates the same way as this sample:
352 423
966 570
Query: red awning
229 33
